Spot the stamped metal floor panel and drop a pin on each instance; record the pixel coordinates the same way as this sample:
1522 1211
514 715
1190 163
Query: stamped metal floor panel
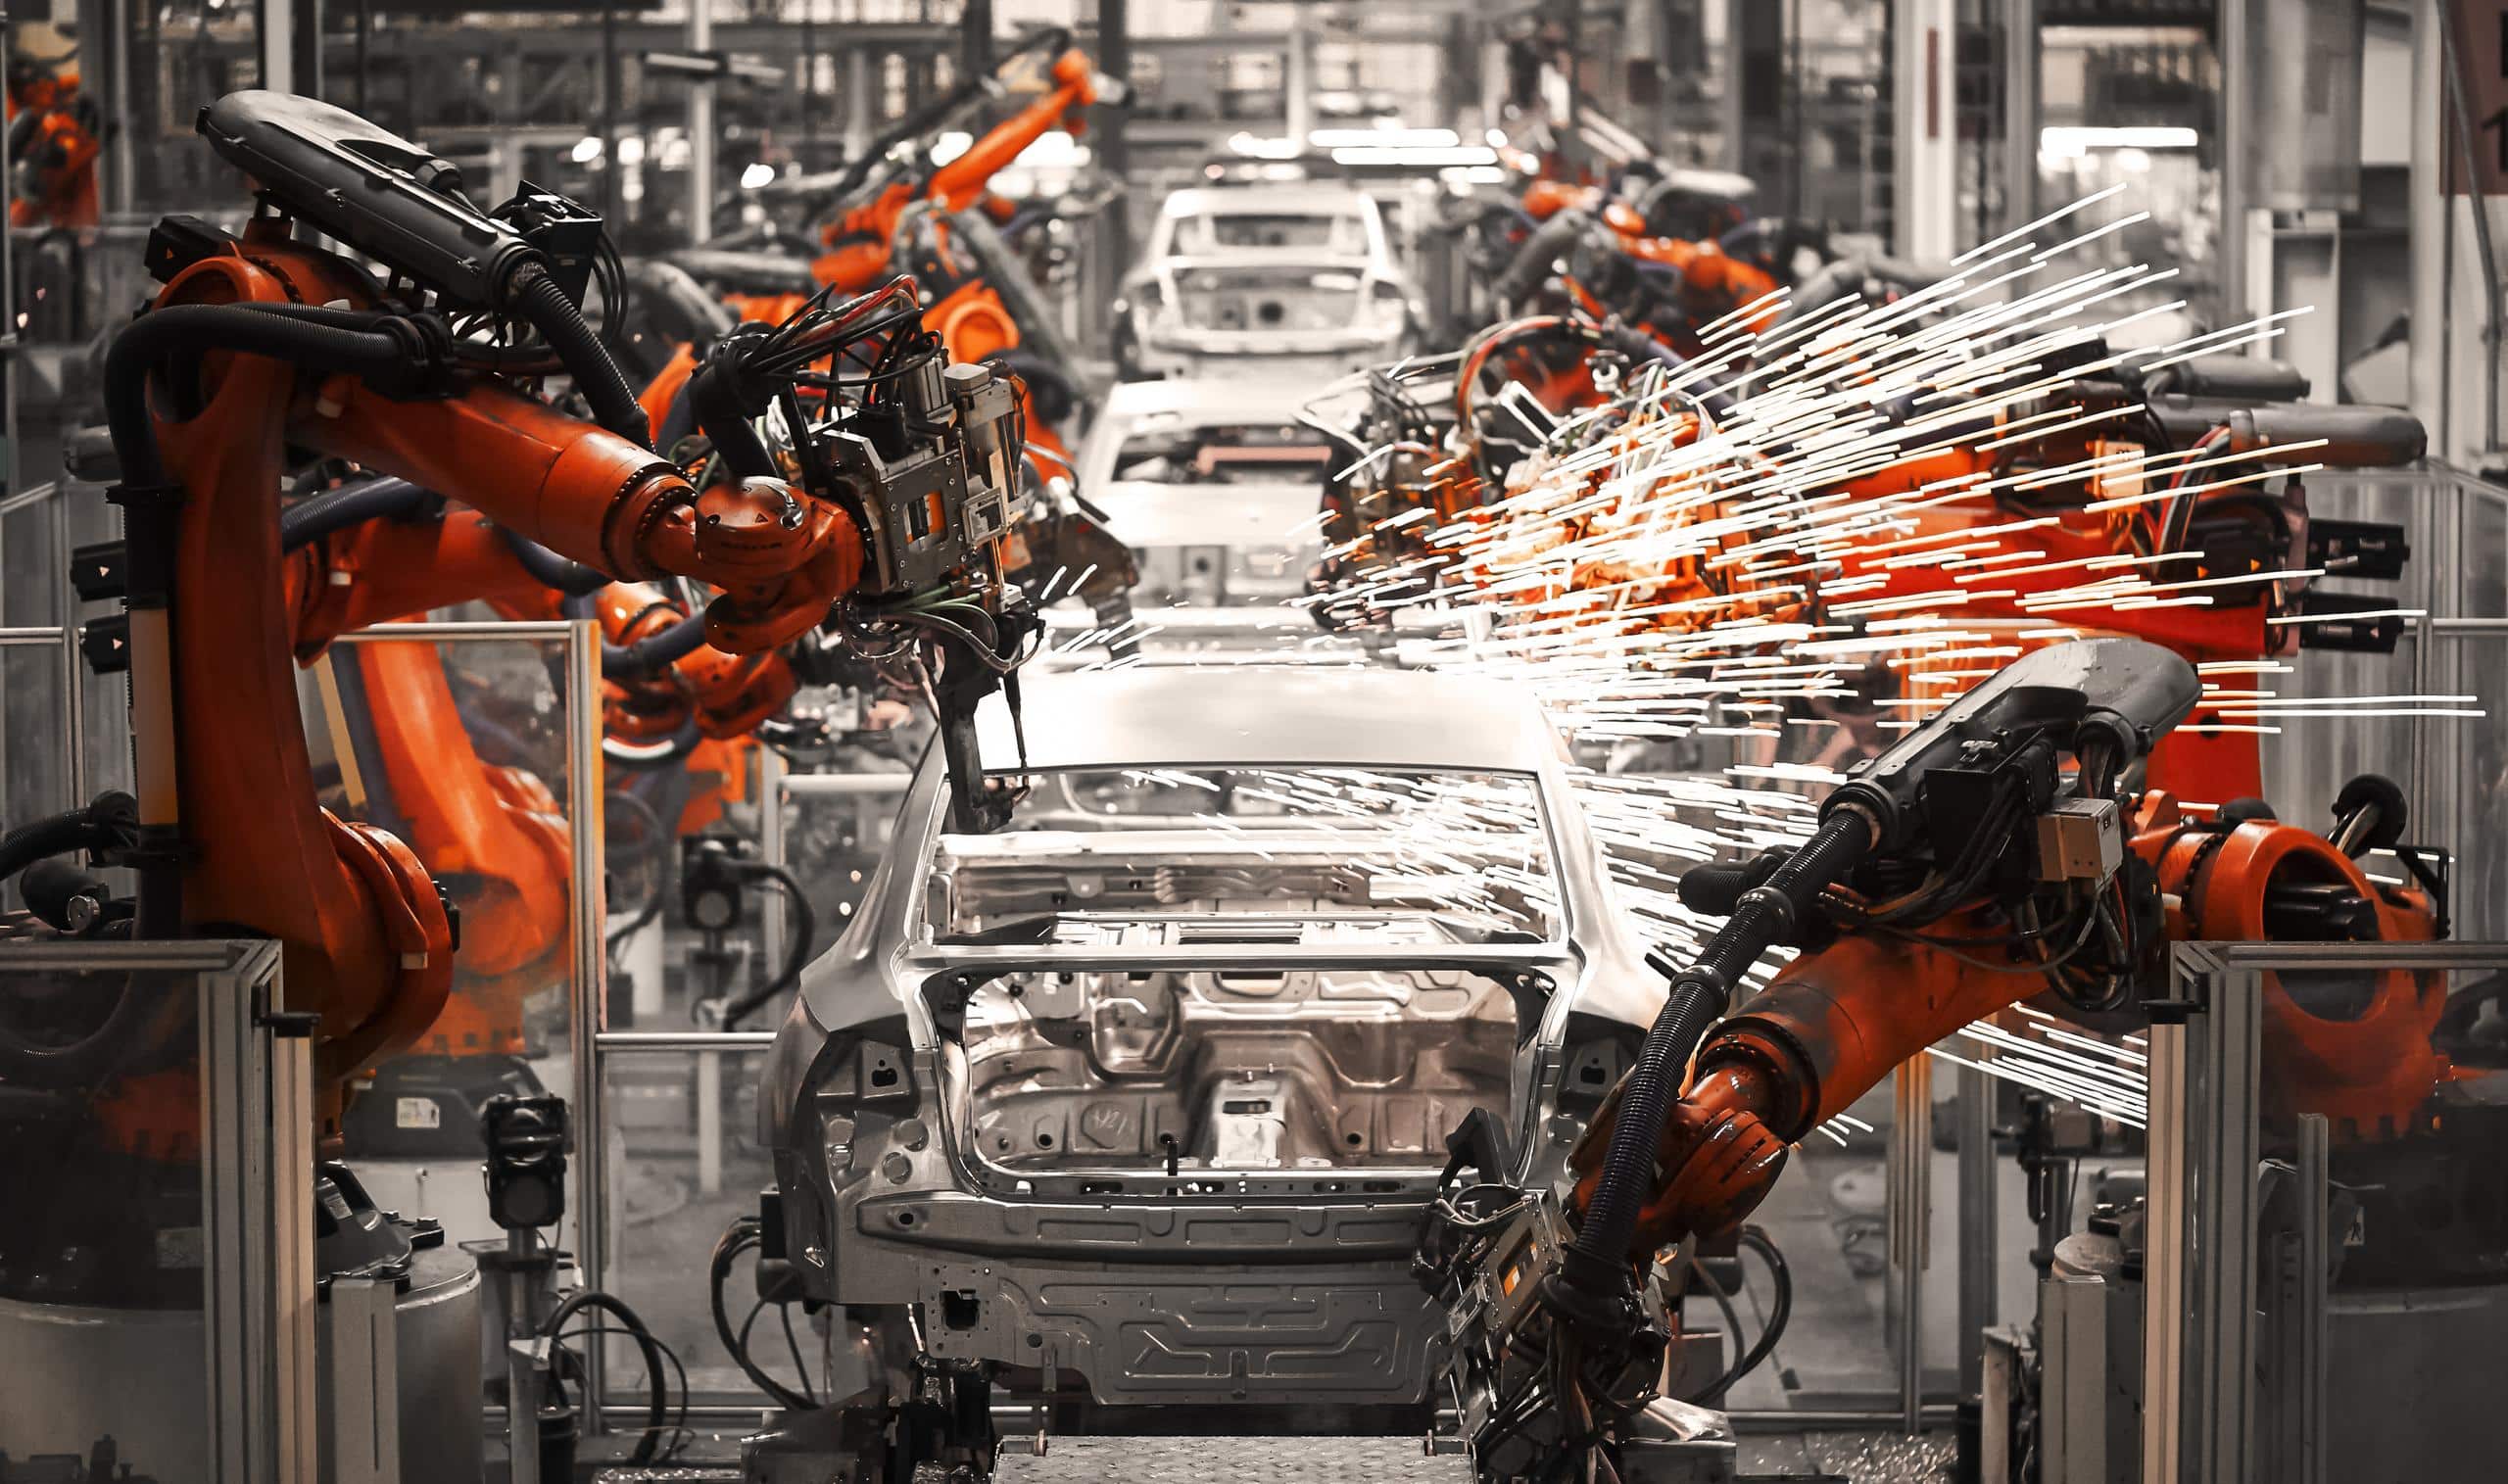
1237 1461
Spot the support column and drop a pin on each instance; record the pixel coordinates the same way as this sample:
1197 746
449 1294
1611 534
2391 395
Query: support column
1755 90
613 197
1926 207
109 27
975 39
1114 153
274 24
1297 78
2434 222
700 128
861 106
2237 63
2020 112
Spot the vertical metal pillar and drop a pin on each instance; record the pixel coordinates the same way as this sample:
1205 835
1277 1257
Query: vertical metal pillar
12 344
613 198
2316 1199
861 105
107 49
364 38
1977 1229
2237 63
2164 1254
809 84
1909 1183
1730 124
2199 1316
1297 78
306 38
1754 95
1114 251
975 39
2020 112
1922 136
700 128
2434 225
587 1005
274 44
257 1207
770 841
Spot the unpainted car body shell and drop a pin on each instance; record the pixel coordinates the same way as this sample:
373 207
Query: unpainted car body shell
1282 1286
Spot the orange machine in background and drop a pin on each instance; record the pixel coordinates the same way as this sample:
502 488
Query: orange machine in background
934 221
54 138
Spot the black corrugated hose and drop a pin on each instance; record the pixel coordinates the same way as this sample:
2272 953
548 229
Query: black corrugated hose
572 578
1699 994
537 298
383 497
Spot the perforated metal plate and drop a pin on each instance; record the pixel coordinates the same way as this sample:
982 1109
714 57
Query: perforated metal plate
1241 1460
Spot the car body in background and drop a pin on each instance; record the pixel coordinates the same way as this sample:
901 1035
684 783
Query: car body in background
1214 484
1141 1098
1301 279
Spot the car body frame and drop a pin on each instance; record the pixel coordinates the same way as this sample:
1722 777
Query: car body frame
1299 279
1280 1280
1232 525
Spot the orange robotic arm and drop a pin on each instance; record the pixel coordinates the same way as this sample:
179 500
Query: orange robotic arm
1830 1027
957 185
859 241
368 941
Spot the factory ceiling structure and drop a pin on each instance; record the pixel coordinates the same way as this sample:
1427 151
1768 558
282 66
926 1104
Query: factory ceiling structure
932 741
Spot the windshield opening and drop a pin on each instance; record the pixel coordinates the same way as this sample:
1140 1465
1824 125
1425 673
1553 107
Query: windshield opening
1341 234
1283 856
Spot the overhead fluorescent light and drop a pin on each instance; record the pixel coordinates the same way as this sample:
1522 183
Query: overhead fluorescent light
1388 138
1256 147
2073 141
1421 158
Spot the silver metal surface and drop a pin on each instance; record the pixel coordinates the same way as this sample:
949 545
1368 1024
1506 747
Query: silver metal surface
256 1220
361 1397
1272 1265
2072 1413
423 1356
2002 1379
1241 1459
522 1412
